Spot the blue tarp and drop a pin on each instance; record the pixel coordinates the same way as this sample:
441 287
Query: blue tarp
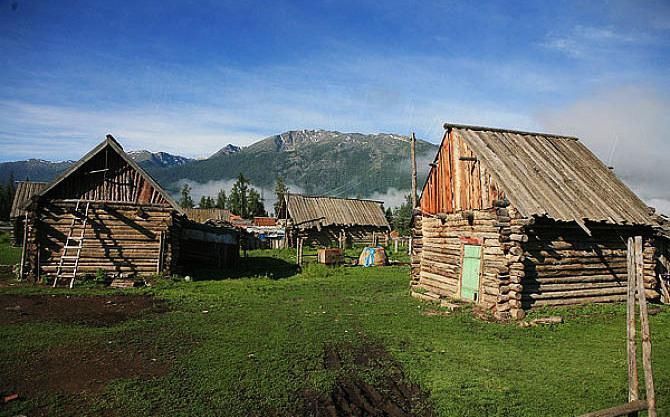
369 257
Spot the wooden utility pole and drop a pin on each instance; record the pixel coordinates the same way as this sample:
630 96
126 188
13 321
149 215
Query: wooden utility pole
635 284
413 156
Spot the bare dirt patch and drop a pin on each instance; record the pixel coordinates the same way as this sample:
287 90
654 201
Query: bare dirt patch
87 310
77 368
390 395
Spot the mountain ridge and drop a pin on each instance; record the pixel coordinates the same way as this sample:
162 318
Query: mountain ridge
313 161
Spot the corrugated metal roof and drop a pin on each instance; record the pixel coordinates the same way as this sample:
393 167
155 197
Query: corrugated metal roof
202 215
24 191
265 221
307 212
554 176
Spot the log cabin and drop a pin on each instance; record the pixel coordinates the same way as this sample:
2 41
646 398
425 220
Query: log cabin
511 220
105 213
331 221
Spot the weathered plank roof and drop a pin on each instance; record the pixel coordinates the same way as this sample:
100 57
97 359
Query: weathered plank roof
553 176
307 212
24 191
201 215
111 142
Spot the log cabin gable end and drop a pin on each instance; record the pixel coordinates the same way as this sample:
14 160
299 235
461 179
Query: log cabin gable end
458 180
106 174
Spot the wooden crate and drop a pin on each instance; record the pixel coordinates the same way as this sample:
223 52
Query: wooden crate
330 256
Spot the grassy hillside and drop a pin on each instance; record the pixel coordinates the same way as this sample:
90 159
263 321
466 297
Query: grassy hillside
260 346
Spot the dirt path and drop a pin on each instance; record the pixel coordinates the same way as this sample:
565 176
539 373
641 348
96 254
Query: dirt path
91 311
390 395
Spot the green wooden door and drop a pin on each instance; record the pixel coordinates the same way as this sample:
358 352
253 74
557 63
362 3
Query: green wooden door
470 274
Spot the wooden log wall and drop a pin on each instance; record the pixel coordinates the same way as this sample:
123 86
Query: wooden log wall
458 181
441 250
118 239
562 265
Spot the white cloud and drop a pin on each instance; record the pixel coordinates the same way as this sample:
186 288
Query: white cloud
45 131
625 127
584 41
194 112
392 198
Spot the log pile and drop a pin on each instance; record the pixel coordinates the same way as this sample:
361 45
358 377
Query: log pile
511 275
416 248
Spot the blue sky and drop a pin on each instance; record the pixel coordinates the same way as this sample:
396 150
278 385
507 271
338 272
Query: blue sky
190 77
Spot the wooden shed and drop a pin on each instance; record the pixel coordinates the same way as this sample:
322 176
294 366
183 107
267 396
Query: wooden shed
25 190
330 221
202 215
107 214
511 220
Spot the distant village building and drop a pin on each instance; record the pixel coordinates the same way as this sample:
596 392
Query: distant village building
107 214
511 220
266 233
330 221
202 215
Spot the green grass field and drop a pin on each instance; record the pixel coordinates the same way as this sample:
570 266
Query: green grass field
8 255
252 345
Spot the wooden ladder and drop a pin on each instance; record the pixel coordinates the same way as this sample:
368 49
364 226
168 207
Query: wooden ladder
68 264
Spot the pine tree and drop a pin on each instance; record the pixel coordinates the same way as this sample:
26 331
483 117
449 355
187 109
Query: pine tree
206 202
221 200
4 206
389 216
186 201
256 206
234 200
6 197
280 191
402 217
238 202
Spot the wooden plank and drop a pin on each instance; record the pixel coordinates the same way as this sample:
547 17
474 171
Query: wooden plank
633 381
24 245
620 410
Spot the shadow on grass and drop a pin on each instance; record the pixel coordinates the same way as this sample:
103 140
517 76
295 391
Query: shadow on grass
256 266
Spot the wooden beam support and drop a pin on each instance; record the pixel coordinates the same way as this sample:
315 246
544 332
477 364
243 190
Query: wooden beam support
633 384
621 410
414 180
